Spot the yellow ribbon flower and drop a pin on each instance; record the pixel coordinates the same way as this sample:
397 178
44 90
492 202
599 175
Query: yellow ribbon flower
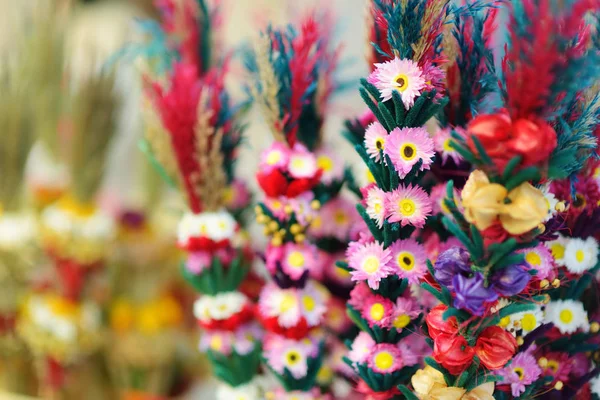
486 202
429 384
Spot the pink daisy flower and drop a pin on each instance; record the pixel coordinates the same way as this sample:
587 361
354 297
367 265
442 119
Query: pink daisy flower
408 354
198 261
337 217
375 138
540 258
281 303
331 165
405 310
385 358
313 302
296 259
407 146
441 142
290 355
522 372
434 79
377 310
370 262
246 337
217 341
376 205
302 163
357 295
409 258
408 205
361 347
403 76
273 157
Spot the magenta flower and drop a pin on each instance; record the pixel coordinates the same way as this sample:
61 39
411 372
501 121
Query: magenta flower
375 139
403 76
408 205
407 146
370 262
408 259
385 358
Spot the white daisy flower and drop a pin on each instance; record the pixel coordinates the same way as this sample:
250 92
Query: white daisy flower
557 247
302 165
224 305
595 385
567 315
217 226
581 255
202 308
280 303
551 202
312 304
524 321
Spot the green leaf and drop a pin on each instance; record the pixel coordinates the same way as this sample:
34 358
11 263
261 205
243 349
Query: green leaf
388 119
413 114
375 231
343 265
372 106
434 292
407 393
525 175
394 177
482 153
399 109
460 235
510 167
477 242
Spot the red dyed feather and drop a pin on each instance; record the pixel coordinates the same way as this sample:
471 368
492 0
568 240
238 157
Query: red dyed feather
178 110
302 65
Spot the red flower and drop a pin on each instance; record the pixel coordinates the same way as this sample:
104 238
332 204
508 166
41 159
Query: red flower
370 394
453 352
299 186
274 184
204 244
495 347
532 138
296 332
232 323
436 324
494 234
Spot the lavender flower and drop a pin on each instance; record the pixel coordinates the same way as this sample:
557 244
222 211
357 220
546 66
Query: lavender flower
472 294
511 280
450 263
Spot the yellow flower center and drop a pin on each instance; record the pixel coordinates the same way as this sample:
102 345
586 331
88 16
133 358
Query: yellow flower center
384 360
558 251
292 357
528 322
504 322
309 303
446 145
325 163
340 217
520 373
533 259
378 207
72 206
566 316
408 151
216 342
406 261
377 311
401 321
222 307
401 81
380 143
407 207
287 303
553 365
298 163
579 255
276 205
317 222
273 157
63 307
371 265
296 259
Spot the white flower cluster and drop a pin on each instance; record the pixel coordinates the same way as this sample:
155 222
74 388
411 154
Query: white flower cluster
61 320
97 226
216 226
575 254
219 307
16 230
567 315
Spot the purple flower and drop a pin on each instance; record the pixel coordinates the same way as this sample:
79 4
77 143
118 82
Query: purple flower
472 294
450 263
511 280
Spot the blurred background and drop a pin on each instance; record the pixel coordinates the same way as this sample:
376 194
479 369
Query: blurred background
64 46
